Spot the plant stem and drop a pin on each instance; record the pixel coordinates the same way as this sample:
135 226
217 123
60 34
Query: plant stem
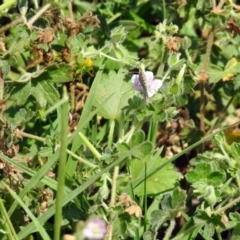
218 234
170 229
8 224
203 79
183 234
110 135
24 134
61 167
10 25
202 106
90 146
220 5
37 15
229 205
91 165
70 10
113 199
56 105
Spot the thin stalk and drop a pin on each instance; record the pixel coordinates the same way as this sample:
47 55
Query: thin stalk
202 106
183 234
114 17
39 227
170 230
7 223
213 4
72 97
37 15
113 200
114 186
91 165
10 25
166 74
90 146
61 167
121 126
114 180
226 207
202 81
218 234
24 134
56 105
1 87
70 10
220 4
111 132
145 199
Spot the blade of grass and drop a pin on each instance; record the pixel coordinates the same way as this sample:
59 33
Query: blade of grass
84 119
61 167
70 197
11 234
35 222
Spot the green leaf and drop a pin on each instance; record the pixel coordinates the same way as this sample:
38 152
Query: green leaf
119 91
21 117
56 74
166 203
234 216
236 82
137 138
235 150
45 93
23 7
215 178
201 171
236 232
178 198
158 217
122 147
143 151
208 230
161 181
215 73
20 94
232 68
4 65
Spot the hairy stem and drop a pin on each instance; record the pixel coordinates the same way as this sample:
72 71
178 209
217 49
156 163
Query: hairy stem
203 78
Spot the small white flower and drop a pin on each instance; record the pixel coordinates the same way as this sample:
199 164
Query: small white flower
95 229
153 84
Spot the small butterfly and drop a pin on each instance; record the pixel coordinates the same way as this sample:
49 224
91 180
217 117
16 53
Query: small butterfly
145 83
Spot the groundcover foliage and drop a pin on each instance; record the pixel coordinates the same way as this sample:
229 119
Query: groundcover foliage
119 120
